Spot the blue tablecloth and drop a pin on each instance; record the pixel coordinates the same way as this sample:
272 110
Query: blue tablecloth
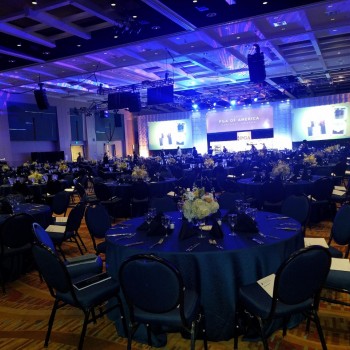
217 273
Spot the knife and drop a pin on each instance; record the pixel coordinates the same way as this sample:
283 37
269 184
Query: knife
134 243
193 246
287 228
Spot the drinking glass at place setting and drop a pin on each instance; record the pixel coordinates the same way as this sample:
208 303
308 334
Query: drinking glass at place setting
148 218
239 205
165 224
180 205
232 220
201 224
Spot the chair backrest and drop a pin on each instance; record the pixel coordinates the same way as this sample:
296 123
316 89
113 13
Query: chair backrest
60 202
301 277
140 190
151 284
52 269
226 200
16 231
102 191
322 188
97 220
53 187
296 207
340 232
163 204
273 191
42 236
75 217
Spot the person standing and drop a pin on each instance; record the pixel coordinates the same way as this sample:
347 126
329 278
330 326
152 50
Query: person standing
179 151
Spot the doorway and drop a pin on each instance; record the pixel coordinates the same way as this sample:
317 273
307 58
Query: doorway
75 149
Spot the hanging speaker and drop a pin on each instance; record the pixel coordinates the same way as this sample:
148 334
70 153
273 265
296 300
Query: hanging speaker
41 99
256 65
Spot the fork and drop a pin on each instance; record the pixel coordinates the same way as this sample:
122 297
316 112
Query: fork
267 236
126 236
157 243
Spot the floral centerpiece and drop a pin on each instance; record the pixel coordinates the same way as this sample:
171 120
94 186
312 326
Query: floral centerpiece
310 160
121 165
171 160
26 164
209 162
281 169
35 177
47 166
5 167
63 167
198 204
332 149
139 173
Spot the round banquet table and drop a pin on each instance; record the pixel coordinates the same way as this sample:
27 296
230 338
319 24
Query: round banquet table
156 188
216 272
253 189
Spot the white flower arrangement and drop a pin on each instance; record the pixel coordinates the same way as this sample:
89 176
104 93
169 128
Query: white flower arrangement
198 204
209 162
5 167
63 167
35 177
281 169
310 160
331 149
139 173
46 166
171 160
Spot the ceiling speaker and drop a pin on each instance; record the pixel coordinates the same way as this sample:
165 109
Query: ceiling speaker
256 65
41 99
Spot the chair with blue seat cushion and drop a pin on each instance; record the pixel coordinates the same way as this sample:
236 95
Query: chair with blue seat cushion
337 288
69 232
340 232
296 289
297 206
156 296
163 204
77 266
94 294
98 222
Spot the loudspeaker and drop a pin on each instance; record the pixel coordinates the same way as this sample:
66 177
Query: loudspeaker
160 94
121 100
41 99
256 67
118 120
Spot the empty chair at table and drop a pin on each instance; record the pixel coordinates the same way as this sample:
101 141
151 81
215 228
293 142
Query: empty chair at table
296 289
140 196
273 194
156 296
163 204
65 291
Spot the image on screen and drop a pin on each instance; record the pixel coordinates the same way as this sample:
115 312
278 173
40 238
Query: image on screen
321 122
169 134
240 119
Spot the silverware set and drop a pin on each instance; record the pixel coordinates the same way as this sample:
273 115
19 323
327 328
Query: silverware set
192 247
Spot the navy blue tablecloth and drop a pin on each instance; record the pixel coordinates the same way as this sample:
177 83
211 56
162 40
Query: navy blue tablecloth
217 273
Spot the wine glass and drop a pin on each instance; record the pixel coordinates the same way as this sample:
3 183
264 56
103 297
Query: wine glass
165 224
180 205
148 218
232 220
201 224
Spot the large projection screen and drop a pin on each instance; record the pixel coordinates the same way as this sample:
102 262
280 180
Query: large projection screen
170 134
240 119
321 122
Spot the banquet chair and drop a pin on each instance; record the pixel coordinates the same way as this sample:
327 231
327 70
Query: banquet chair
297 206
98 222
84 196
69 232
227 200
60 203
321 193
139 198
156 296
340 232
296 289
103 194
95 294
16 237
336 289
76 266
273 195
163 204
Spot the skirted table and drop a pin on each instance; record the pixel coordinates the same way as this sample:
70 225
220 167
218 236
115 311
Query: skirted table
216 270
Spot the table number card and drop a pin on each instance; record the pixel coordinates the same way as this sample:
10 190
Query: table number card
308 241
267 283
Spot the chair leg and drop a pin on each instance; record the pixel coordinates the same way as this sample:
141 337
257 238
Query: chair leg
262 332
319 330
193 335
81 241
83 331
51 320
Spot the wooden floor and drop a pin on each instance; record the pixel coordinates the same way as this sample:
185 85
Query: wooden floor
25 309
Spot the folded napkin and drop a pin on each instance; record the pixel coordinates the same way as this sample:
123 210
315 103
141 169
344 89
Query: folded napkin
245 224
155 228
216 231
187 230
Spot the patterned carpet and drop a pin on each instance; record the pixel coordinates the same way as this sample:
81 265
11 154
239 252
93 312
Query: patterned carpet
25 309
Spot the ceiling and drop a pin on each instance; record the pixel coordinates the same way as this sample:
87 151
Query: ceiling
84 49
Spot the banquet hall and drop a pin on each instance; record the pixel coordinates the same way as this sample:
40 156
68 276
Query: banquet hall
137 100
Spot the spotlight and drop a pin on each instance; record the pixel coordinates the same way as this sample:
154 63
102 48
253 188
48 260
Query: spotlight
195 106
233 102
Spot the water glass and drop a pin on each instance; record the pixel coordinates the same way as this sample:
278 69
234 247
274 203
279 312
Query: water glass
232 221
